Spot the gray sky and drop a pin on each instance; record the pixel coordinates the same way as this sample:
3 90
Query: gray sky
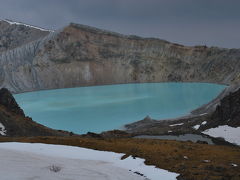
189 22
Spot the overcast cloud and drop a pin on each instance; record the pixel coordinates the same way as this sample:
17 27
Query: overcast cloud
189 22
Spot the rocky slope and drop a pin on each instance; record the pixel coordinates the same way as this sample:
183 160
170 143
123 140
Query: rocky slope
13 34
228 112
13 122
80 55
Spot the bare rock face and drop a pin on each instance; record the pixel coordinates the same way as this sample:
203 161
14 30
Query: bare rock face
81 56
8 101
14 35
228 111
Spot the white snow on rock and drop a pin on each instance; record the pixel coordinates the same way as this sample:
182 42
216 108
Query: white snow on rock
196 126
18 23
3 131
206 161
230 134
234 165
202 114
185 157
180 124
39 161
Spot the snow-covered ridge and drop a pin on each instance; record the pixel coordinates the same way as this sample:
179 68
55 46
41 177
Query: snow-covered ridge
33 160
31 26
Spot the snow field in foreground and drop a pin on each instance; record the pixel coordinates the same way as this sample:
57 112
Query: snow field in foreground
26 160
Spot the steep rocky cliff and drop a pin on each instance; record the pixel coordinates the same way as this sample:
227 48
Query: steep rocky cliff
227 112
13 122
80 55
14 34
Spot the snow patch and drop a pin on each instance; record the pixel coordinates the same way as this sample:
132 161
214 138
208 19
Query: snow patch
77 153
3 131
196 126
230 134
185 157
18 23
206 161
234 165
179 124
202 114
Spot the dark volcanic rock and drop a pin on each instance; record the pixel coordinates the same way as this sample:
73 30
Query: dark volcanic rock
201 142
115 134
92 135
228 112
8 101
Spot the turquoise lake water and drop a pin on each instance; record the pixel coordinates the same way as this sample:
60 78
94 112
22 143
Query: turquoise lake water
100 108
